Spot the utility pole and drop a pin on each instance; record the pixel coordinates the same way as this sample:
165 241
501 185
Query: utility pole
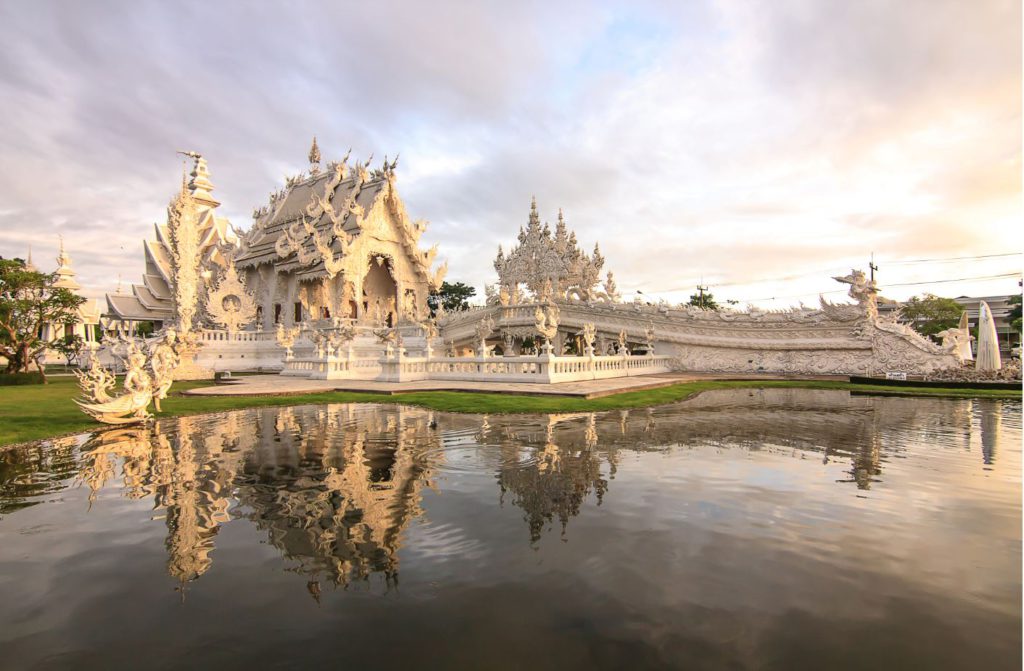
701 288
873 267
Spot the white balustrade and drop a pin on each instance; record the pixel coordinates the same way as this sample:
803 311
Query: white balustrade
544 368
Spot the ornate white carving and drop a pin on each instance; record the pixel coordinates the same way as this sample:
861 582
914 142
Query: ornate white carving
589 334
484 328
147 380
286 338
541 257
546 321
164 359
862 290
183 231
230 304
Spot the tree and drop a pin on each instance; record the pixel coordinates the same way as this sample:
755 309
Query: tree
1014 316
29 302
452 296
930 314
70 347
144 329
704 302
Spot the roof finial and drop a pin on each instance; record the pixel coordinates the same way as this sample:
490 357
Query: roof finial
65 273
200 184
28 263
63 258
314 158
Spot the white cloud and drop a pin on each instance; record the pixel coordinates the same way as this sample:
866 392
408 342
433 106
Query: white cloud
726 140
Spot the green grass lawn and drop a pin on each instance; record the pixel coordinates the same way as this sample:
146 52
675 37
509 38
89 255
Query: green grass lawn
32 412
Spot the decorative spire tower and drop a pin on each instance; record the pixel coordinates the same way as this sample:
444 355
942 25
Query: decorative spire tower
534 221
314 158
65 273
199 183
29 266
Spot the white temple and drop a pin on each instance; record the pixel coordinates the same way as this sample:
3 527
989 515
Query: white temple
338 243
330 282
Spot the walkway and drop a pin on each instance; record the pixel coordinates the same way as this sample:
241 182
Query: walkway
281 385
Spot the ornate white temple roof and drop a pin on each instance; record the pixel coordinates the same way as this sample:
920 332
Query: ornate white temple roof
152 300
292 204
307 221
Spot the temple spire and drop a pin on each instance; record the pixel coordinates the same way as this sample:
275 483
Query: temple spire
65 273
534 216
29 266
314 158
199 183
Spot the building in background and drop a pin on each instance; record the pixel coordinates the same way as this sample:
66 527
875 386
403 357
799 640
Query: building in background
87 326
1000 305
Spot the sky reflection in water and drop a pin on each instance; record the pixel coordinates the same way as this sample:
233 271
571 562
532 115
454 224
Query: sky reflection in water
741 529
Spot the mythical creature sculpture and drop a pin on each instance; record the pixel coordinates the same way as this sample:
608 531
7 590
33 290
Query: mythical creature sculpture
484 328
147 379
391 338
96 382
953 340
862 290
649 337
611 292
546 321
491 295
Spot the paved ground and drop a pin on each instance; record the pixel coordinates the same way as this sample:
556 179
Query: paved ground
277 385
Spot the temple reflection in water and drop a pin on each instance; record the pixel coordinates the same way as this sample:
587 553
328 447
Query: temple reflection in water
335 487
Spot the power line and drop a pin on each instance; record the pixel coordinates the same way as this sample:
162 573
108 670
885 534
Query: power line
953 258
959 279
902 284
786 278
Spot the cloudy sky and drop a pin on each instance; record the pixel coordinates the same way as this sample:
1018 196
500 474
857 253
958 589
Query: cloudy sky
757 147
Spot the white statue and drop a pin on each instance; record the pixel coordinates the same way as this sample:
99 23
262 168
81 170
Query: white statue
589 334
964 345
163 361
862 290
623 348
649 336
988 341
546 321
491 295
146 380
286 338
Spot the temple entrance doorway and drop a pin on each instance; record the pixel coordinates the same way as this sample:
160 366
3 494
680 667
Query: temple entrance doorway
380 293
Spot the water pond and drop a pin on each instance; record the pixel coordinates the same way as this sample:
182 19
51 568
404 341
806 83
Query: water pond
742 529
